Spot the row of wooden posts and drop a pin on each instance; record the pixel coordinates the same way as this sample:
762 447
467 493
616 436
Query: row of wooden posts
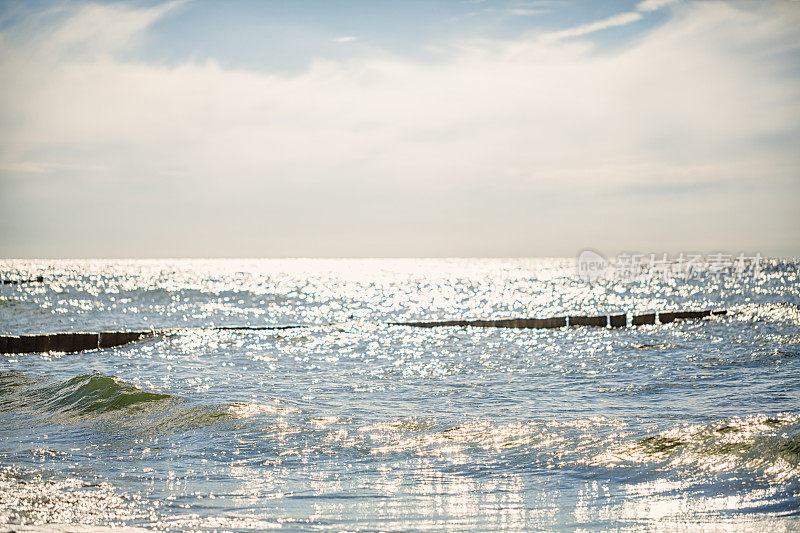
38 279
67 342
611 321
79 342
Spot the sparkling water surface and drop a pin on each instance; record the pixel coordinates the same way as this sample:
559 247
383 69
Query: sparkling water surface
357 425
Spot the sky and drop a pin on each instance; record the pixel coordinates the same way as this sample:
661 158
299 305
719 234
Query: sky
508 128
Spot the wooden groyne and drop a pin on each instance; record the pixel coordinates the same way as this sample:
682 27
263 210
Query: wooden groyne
256 328
80 342
38 279
611 321
67 342
519 323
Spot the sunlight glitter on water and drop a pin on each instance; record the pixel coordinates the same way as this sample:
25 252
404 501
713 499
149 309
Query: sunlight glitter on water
354 423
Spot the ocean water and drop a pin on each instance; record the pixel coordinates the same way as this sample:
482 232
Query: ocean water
351 424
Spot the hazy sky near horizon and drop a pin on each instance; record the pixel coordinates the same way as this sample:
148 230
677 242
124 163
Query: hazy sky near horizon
376 128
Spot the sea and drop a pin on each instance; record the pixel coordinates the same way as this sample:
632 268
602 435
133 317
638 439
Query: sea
353 423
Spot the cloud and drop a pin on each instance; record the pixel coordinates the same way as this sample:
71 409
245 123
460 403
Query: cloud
611 22
89 31
392 155
345 39
526 12
614 21
653 5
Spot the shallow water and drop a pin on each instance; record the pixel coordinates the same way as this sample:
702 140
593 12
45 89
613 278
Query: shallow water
353 424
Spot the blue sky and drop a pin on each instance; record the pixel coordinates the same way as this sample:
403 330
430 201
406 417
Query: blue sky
437 128
269 35
288 36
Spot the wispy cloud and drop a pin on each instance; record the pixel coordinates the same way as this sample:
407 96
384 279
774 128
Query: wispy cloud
345 39
526 12
653 5
611 22
620 19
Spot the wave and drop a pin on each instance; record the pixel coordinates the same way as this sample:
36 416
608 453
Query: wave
83 394
95 392
764 446
783 312
104 399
